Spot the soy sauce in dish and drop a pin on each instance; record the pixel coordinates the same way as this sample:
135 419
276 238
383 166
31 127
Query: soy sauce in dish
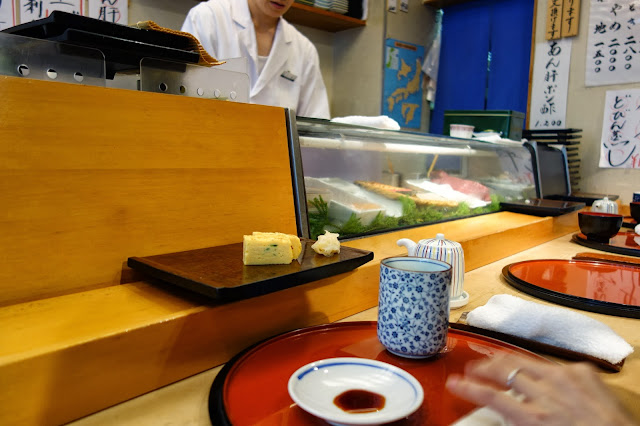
359 401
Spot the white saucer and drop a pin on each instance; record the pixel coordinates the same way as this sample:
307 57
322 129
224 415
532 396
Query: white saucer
315 386
459 301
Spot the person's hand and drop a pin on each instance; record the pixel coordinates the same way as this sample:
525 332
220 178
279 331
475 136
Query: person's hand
546 393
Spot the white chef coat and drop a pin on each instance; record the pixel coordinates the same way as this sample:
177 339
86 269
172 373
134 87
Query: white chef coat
225 29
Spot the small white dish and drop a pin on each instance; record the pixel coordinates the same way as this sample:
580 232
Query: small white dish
315 386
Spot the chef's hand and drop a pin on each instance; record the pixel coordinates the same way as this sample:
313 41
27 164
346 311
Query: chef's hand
549 393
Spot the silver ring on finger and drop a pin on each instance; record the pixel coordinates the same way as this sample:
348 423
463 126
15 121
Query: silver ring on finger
512 377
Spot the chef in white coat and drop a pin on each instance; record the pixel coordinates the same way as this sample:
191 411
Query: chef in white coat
283 64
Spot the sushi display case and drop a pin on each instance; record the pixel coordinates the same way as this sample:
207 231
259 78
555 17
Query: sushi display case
357 180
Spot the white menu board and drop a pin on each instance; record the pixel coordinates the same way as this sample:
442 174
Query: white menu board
30 10
550 85
116 11
7 14
620 146
613 47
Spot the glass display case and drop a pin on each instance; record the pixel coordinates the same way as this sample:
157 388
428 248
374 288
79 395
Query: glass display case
357 180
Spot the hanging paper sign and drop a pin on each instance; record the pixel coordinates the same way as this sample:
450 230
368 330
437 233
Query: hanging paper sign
620 145
110 10
7 14
613 46
550 85
554 19
570 17
30 10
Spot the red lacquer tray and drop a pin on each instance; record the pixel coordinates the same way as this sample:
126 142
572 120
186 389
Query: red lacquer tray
603 287
629 222
252 387
625 242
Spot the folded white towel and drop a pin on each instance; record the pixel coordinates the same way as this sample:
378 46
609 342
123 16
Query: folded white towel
379 122
552 325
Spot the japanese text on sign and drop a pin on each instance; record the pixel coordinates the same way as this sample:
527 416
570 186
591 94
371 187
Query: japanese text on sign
110 10
554 19
31 10
613 47
550 85
621 130
570 17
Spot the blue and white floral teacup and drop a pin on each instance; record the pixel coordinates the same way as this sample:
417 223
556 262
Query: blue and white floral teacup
413 306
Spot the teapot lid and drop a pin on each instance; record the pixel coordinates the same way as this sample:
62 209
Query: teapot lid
440 240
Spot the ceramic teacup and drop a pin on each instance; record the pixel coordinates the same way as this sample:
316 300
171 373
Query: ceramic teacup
413 306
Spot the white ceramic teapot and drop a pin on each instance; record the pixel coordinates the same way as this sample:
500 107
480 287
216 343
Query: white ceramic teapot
605 206
447 251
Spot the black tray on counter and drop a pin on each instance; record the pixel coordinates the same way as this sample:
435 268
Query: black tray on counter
218 272
541 207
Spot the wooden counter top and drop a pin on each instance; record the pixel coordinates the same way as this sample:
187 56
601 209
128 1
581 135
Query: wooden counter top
185 402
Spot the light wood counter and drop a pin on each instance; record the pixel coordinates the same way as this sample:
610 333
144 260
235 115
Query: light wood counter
185 402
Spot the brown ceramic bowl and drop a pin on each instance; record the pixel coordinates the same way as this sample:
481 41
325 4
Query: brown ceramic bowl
634 207
599 227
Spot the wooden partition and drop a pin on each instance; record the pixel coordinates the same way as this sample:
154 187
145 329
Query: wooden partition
90 176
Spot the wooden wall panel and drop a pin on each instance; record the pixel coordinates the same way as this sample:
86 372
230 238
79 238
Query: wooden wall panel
90 176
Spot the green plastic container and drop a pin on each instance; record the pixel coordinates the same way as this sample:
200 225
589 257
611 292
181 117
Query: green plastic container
509 123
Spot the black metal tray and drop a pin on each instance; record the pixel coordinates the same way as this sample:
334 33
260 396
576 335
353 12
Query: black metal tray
121 54
582 197
58 22
541 207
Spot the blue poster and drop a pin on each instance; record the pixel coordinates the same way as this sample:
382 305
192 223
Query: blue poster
402 94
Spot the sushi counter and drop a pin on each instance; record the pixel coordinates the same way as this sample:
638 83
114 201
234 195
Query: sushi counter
117 174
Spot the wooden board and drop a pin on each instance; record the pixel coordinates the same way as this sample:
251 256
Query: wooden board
115 172
218 272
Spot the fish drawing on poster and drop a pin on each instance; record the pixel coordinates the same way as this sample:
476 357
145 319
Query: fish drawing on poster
550 85
30 10
613 45
116 11
620 146
7 14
